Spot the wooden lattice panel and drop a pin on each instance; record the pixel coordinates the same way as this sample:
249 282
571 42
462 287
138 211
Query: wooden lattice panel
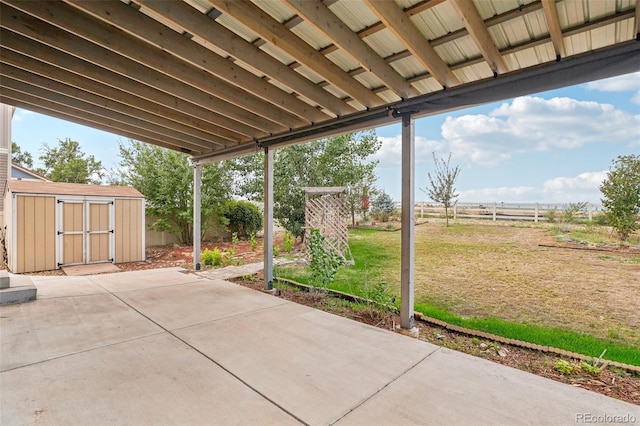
326 210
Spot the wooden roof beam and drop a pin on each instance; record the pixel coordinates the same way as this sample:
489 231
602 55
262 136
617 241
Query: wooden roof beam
276 33
140 25
100 77
320 17
132 116
553 23
480 34
401 26
208 29
39 103
145 63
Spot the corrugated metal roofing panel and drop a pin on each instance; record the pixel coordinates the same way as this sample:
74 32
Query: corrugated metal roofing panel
354 14
537 24
516 31
447 16
431 25
389 96
278 10
408 67
309 74
277 53
427 85
237 28
343 60
474 72
384 43
369 80
311 36
458 50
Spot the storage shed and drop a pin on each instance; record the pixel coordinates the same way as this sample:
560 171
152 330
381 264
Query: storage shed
50 224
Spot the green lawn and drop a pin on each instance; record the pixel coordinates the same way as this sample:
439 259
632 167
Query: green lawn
496 279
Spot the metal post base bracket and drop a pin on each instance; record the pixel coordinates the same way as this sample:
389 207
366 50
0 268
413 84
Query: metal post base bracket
411 332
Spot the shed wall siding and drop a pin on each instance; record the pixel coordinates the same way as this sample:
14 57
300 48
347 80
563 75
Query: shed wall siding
35 234
129 228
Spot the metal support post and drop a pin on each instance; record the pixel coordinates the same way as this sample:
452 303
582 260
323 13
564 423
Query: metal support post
197 183
408 226
268 219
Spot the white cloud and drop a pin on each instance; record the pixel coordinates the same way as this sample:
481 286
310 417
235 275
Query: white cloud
562 190
623 83
390 154
501 194
584 187
21 114
529 124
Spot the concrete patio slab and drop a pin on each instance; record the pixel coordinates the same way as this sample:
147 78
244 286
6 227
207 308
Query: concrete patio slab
165 349
154 380
150 278
454 388
314 364
50 287
175 307
45 329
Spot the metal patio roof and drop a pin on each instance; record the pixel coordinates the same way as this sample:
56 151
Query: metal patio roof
220 78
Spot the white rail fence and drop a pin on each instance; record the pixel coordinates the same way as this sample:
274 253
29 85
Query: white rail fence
535 212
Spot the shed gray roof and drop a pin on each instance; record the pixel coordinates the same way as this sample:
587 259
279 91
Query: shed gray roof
75 189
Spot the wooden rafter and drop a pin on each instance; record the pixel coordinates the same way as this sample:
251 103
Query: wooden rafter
208 29
480 34
125 113
553 23
84 117
400 25
318 15
138 24
269 29
60 65
150 64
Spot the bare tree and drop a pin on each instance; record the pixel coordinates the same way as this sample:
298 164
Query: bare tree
442 190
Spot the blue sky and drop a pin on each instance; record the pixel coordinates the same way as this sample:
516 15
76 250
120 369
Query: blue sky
550 147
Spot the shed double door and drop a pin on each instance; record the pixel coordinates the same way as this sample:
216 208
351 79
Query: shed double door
85 233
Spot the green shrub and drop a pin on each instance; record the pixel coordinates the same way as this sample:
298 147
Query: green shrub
212 257
324 261
288 242
244 218
254 241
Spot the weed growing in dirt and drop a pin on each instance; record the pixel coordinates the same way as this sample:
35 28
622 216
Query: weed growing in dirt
288 242
253 241
564 367
212 257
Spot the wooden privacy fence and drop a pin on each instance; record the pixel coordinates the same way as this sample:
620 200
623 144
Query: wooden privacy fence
535 212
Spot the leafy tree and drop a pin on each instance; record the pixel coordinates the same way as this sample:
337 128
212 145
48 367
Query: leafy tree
337 161
442 190
166 180
621 191
383 205
23 158
245 218
67 163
